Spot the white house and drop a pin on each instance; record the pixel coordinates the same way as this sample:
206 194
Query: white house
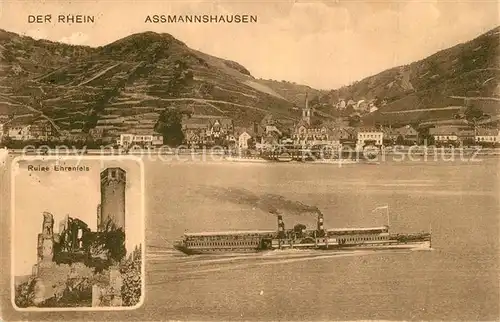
369 136
487 136
243 140
444 134
128 139
373 108
19 132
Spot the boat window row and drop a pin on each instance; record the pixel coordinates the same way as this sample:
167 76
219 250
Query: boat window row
223 243
365 238
343 233
226 237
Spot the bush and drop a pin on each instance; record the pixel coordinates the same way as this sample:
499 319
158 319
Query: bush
25 293
131 271
77 293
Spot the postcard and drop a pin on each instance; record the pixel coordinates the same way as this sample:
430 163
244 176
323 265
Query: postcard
235 160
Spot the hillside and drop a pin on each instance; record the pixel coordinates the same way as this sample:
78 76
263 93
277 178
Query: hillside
433 89
293 92
419 91
126 84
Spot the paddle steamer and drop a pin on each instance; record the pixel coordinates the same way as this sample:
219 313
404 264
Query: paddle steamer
367 238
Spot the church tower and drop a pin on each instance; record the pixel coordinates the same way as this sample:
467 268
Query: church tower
306 111
112 207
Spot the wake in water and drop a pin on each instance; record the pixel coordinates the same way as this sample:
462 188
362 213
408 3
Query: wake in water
203 264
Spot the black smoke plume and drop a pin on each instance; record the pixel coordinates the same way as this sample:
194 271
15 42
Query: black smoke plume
272 203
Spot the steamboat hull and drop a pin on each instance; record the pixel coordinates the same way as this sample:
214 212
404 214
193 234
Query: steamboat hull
392 245
215 251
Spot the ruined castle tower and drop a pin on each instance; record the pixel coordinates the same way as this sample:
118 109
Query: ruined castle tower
113 182
46 239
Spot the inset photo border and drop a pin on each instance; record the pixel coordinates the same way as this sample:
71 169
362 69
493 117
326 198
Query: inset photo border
78 233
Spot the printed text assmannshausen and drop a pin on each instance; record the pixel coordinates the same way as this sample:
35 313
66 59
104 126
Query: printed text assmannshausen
201 19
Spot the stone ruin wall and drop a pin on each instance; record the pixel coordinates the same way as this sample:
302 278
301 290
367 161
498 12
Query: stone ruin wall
48 274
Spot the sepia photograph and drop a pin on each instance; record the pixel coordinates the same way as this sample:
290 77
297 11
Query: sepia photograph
78 233
233 160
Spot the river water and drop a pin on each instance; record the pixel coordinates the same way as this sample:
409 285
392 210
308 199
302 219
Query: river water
457 280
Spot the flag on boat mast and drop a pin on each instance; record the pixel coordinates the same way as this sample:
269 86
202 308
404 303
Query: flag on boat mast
386 207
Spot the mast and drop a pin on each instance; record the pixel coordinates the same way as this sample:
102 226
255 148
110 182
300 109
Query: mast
387 214
430 234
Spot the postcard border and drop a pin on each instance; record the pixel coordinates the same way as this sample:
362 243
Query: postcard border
143 224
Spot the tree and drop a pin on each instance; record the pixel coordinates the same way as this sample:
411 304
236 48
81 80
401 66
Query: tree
110 242
251 143
170 126
314 101
473 113
400 140
348 110
25 293
354 120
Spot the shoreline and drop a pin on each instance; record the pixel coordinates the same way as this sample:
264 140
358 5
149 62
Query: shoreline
434 155
422 151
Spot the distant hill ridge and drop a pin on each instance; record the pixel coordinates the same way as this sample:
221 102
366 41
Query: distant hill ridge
465 74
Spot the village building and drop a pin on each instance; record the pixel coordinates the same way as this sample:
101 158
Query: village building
269 139
140 137
207 130
406 135
305 133
444 134
452 135
273 128
324 134
346 134
333 133
467 136
350 103
372 108
243 139
390 136
25 128
487 136
246 135
75 135
362 106
369 136
96 133
341 104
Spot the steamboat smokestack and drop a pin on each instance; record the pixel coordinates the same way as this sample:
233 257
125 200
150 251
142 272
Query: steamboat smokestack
321 227
281 227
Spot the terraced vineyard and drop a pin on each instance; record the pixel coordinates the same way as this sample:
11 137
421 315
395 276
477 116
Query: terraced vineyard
127 84
117 87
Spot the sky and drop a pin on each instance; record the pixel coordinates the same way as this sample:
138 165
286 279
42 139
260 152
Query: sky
321 44
74 193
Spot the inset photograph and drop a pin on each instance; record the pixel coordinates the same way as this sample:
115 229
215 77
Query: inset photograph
78 233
